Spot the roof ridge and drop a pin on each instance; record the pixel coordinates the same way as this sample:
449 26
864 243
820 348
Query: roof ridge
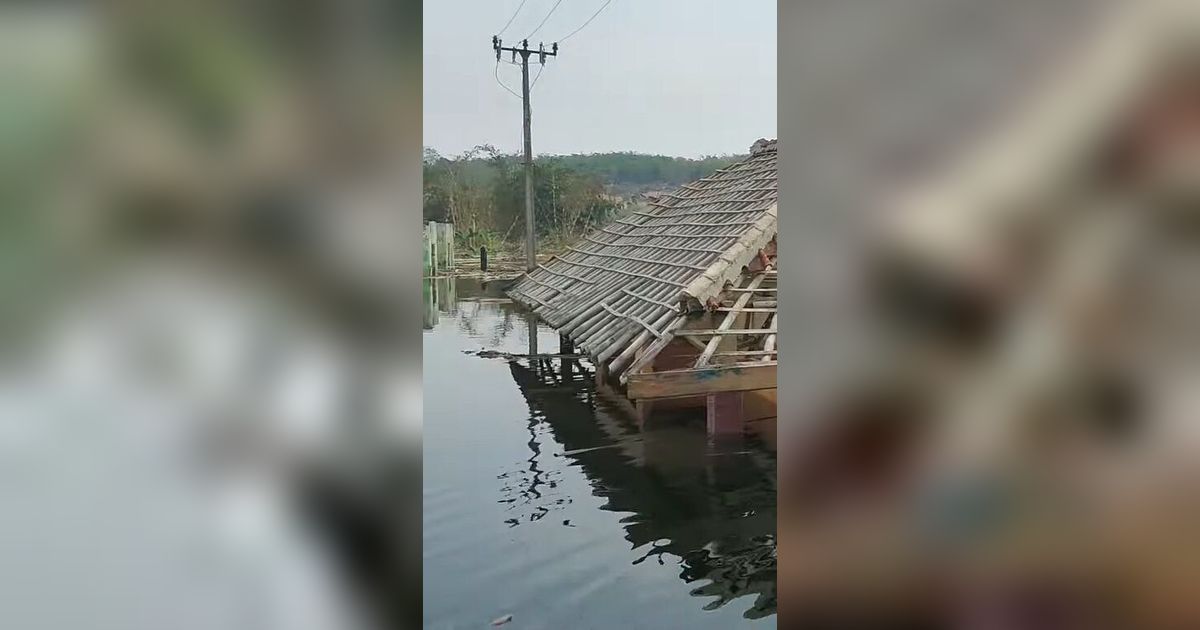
763 145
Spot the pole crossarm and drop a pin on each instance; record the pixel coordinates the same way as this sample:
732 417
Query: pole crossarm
525 51
528 50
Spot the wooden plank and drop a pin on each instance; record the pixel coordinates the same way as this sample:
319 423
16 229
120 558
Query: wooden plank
724 309
649 352
733 331
711 379
727 323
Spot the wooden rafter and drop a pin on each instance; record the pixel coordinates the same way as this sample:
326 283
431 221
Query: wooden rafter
727 323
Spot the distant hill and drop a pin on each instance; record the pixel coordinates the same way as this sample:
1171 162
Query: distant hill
623 173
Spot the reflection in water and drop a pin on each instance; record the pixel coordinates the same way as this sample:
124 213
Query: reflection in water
545 500
531 326
712 508
439 297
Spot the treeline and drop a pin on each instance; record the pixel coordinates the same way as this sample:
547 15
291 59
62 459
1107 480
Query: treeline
632 172
482 191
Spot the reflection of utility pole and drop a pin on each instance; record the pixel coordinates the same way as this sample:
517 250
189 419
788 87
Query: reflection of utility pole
524 51
531 322
568 365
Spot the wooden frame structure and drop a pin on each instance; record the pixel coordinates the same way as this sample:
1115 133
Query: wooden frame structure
717 356
740 354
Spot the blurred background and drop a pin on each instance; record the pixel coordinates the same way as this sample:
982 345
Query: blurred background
992 422
209 390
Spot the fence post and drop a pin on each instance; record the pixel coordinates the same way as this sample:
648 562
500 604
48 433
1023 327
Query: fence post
445 233
437 247
426 251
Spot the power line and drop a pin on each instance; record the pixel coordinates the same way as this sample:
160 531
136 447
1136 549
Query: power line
537 76
589 21
510 91
539 27
514 16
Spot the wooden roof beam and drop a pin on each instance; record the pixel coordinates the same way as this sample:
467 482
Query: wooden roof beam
707 380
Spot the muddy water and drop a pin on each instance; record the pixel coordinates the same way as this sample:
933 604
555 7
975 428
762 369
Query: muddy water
545 502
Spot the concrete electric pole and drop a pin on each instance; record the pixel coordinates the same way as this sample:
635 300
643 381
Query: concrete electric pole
524 51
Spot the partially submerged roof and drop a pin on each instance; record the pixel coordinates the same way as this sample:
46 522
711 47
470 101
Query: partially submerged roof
626 282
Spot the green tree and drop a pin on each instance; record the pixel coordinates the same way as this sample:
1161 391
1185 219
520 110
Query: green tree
482 190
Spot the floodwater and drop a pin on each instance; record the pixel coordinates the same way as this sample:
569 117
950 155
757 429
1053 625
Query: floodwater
544 501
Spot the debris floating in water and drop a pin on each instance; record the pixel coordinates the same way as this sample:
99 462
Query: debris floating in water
500 621
509 356
587 450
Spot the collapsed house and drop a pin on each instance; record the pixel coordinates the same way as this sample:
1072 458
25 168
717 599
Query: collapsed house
676 301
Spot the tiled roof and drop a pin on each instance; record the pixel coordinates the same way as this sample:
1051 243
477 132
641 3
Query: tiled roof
624 282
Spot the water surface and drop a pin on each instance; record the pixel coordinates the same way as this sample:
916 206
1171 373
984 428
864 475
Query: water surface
543 500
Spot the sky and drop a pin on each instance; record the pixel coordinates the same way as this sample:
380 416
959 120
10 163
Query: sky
673 77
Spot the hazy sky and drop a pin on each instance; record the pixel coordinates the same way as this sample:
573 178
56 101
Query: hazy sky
676 77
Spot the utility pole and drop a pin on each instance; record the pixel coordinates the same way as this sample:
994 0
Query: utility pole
524 51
